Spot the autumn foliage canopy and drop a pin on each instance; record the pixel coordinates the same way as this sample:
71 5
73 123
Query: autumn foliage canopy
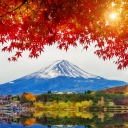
33 24
29 96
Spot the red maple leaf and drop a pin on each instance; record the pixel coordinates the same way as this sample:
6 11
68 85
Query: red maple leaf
18 54
14 59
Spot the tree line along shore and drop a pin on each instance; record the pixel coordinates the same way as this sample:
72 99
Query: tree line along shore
76 101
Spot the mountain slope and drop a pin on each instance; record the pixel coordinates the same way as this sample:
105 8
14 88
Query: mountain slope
59 76
119 89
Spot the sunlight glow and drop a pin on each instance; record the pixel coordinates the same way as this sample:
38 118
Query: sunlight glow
116 13
113 4
113 16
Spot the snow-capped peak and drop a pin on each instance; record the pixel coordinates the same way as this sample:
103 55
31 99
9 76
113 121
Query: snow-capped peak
62 68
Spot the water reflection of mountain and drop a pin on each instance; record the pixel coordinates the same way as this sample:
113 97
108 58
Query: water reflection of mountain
98 120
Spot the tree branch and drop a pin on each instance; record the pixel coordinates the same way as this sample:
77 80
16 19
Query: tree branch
24 1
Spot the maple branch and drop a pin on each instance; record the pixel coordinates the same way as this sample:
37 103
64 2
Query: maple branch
17 7
40 5
59 7
63 3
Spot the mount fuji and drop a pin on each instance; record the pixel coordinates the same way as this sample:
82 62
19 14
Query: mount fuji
59 76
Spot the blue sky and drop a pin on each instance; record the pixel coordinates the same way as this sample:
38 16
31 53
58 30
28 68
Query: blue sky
85 60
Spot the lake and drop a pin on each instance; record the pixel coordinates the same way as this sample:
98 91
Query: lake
64 119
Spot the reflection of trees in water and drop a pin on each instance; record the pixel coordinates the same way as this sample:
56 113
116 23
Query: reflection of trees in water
117 119
49 126
123 117
5 118
87 126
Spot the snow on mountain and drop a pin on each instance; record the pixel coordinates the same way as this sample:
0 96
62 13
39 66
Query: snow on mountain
59 76
61 68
